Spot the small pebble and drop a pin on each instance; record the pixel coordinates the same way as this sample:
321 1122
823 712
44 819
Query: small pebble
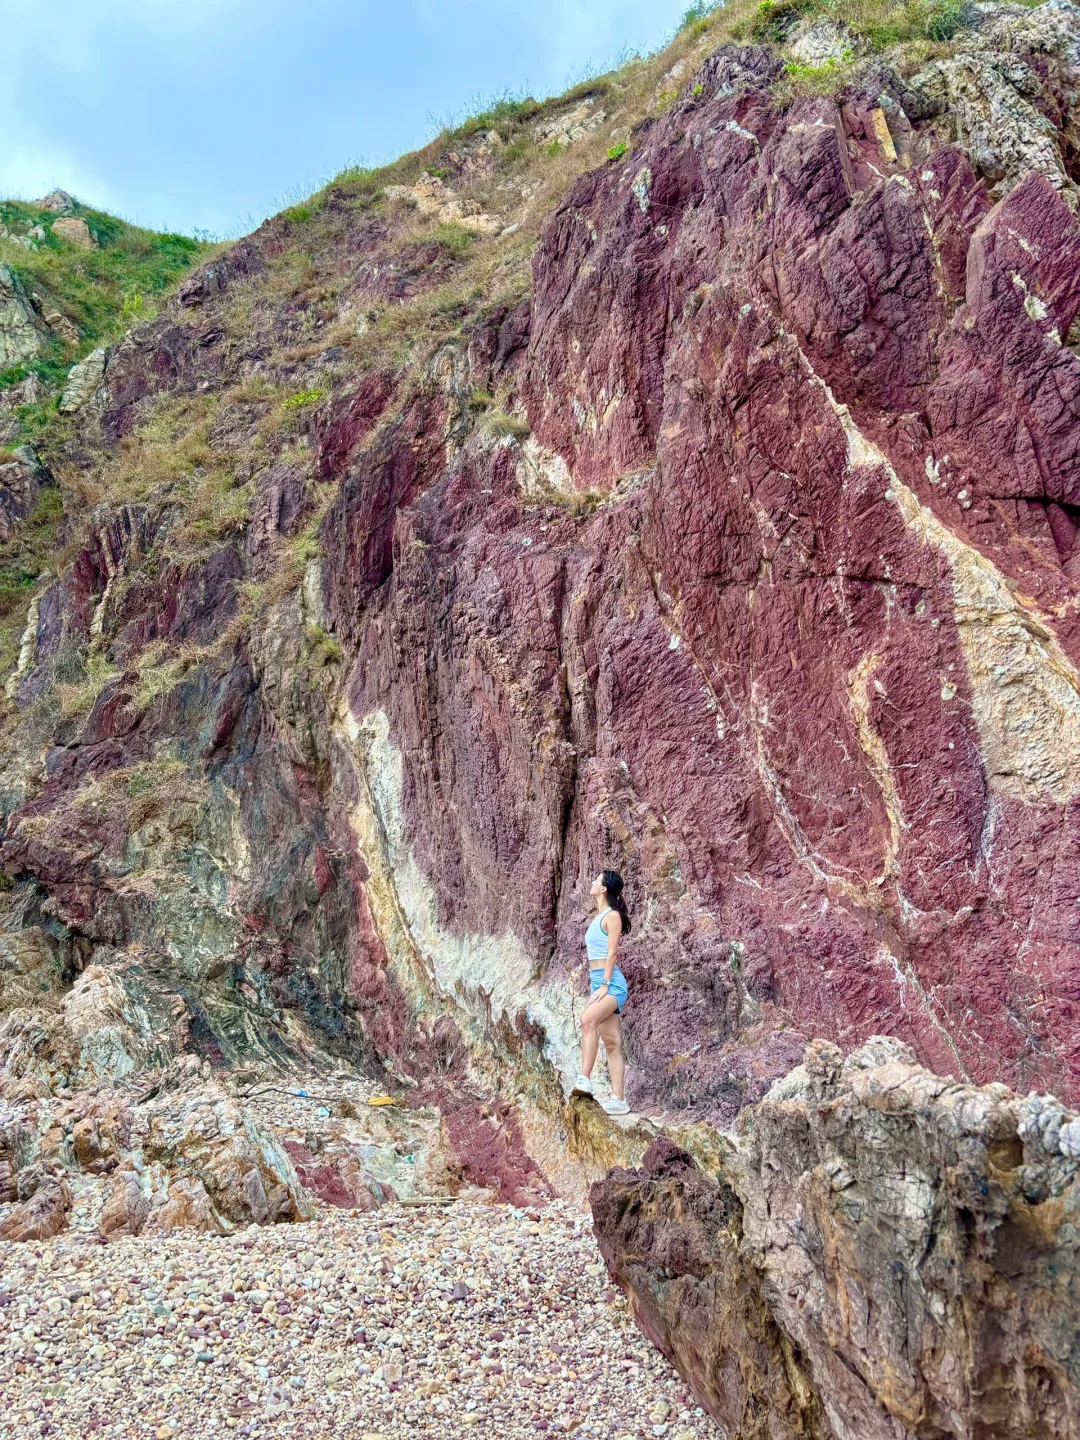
422 1322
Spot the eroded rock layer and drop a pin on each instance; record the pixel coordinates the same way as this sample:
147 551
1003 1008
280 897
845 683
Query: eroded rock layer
711 513
883 1253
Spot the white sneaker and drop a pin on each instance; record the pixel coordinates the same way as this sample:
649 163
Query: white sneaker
582 1086
615 1106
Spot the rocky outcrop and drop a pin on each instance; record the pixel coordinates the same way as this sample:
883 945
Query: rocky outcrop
74 229
20 331
21 477
59 202
882 1253
84 381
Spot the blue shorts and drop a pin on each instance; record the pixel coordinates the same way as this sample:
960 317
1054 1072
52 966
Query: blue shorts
616 985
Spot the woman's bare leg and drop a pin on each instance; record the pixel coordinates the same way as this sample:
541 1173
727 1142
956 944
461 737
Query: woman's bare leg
611 1034
595 1015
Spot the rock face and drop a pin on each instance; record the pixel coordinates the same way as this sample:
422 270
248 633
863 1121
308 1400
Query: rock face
84 379
884 1253
21 477
759 586
732 543
20 331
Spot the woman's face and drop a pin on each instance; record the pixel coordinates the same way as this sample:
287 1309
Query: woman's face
597 887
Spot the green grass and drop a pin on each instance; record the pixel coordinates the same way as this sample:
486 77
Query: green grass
884 23
503 116
24 558
826 79
103 291
455 238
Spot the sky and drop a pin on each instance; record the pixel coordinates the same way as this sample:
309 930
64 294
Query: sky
209 115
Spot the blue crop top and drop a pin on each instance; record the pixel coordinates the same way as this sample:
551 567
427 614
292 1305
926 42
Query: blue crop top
596 940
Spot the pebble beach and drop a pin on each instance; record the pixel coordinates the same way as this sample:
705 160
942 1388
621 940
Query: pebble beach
413 1321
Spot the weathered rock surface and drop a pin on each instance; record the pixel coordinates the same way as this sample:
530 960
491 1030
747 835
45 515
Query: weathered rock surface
58 201
20 330
740 553
84 380
773 609
21 478
74 229
883 1253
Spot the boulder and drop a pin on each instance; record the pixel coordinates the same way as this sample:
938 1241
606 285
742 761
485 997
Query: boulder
75 230
127 1208
40 1217
243 1168
84 381
187 1206
59 202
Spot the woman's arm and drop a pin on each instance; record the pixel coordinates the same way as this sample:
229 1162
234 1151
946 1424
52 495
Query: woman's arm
612 928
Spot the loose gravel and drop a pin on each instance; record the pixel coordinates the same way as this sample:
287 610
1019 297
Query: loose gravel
411 1321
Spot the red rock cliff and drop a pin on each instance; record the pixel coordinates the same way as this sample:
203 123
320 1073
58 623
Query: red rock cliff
739 554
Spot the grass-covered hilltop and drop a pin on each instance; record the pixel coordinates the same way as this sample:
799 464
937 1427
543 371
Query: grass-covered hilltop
72 279
88 276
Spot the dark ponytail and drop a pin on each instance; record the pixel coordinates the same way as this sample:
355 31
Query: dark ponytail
613 884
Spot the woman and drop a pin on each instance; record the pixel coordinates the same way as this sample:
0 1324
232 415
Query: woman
607 991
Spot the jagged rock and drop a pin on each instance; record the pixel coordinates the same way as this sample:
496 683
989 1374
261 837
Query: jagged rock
28 391
21 477
995 92
432 196
58 201
40 1217
99 1142
128 1207
245 1171
84 381
30 965
75 230
20 336
824 42
187 1206
886 1253
567 126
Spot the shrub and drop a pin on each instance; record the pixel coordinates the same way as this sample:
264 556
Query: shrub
454 237
697 18
824 79
302 398
773 18
617 151
943 19
322 647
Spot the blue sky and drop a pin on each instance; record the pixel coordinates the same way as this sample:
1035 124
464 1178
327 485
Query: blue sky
212 114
